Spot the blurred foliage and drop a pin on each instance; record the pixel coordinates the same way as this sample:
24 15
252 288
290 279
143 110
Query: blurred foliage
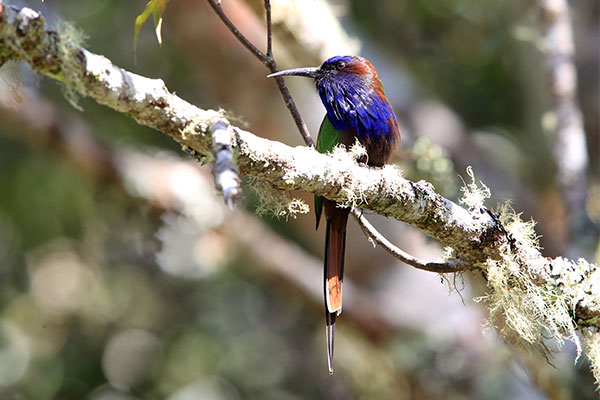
433 164
475 56
88 308
460 50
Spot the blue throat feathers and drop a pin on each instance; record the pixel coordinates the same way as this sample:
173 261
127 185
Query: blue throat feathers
352 103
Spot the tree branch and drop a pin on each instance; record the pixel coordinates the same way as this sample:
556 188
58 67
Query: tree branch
311 30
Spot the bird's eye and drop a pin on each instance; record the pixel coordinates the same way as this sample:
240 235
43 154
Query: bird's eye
340 65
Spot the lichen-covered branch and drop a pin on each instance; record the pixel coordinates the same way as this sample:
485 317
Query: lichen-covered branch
553 295
136 173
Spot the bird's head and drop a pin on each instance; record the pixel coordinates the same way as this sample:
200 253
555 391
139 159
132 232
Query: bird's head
353 96
339 70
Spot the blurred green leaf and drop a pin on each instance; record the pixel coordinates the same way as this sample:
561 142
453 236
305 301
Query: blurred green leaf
156 8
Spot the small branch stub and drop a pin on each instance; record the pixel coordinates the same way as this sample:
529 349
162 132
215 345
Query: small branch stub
224 169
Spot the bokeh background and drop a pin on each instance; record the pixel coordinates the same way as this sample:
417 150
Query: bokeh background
123 276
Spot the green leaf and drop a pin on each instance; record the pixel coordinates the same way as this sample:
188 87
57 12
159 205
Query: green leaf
156 8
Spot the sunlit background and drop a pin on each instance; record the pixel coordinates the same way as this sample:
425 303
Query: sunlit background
123 276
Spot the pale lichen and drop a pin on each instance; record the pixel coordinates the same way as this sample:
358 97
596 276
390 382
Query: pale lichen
522 307
70 39
532 299
10 82
473 195
449 253
345 167
276 202
591 337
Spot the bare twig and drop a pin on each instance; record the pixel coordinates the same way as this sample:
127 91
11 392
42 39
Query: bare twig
243 39
269 29
269 61
375 236
311 29
291 105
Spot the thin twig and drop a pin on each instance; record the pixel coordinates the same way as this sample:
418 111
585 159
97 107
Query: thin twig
287 96
247 44
439 267
269 61
269 29
289 102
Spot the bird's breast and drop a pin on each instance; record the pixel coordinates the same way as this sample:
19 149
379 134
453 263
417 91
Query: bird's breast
361 113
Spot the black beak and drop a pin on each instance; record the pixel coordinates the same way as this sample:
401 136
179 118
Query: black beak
309 72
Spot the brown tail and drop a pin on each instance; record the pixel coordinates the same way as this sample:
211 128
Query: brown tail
335 243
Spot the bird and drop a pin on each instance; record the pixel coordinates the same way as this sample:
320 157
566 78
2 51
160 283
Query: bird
356 109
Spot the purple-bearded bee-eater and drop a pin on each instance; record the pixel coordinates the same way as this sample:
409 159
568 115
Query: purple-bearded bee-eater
357 109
